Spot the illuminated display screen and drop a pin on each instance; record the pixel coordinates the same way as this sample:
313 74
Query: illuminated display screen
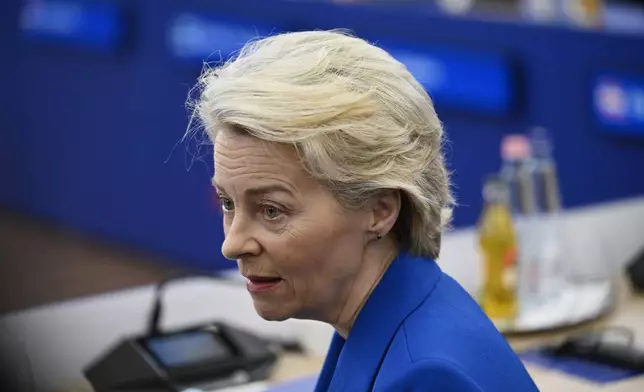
98 26
458 78
197 37
188 349
618 103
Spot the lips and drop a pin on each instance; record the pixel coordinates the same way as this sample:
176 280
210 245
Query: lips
257 284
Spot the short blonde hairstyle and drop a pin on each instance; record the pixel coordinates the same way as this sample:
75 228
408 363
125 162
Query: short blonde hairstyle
359 120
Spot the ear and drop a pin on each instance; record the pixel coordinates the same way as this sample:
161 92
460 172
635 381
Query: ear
384 211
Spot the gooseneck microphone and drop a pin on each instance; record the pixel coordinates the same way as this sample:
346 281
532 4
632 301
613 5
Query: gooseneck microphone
154 319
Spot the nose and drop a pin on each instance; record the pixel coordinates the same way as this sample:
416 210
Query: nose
239 240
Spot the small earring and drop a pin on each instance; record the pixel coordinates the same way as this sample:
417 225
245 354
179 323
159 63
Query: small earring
378 236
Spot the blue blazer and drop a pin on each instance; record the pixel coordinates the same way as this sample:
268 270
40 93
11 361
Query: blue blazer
421 331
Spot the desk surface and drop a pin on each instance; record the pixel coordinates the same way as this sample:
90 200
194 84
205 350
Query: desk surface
628 313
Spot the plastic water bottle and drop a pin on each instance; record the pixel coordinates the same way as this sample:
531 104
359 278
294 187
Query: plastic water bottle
518 171
548 200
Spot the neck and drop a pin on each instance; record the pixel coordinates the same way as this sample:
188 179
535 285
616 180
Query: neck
375 262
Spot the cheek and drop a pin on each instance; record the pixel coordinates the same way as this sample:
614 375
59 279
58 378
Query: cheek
318 251
294 250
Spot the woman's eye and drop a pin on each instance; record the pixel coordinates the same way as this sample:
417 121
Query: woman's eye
227 205
271 212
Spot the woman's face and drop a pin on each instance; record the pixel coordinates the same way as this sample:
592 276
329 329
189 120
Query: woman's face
289 235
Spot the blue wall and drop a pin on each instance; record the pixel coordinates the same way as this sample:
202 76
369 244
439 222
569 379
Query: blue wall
89 138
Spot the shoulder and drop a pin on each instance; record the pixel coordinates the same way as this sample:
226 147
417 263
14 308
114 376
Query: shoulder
450 318
435 374
450 341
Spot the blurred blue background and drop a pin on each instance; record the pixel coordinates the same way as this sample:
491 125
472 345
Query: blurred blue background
92 105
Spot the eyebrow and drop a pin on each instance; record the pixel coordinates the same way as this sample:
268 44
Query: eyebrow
261 190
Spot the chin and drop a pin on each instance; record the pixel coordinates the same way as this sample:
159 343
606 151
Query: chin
271 312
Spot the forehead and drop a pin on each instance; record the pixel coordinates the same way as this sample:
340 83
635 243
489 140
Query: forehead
241 157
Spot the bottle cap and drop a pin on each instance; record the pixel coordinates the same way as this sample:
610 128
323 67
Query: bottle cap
515 147
540 142
494 188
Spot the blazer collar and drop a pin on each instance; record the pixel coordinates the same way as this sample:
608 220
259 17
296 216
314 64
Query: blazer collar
352 365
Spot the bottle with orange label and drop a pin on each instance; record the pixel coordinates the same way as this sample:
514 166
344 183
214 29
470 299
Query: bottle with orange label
498 245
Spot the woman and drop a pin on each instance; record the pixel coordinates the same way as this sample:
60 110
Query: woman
330 175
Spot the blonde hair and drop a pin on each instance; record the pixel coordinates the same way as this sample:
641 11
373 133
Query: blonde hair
359 120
